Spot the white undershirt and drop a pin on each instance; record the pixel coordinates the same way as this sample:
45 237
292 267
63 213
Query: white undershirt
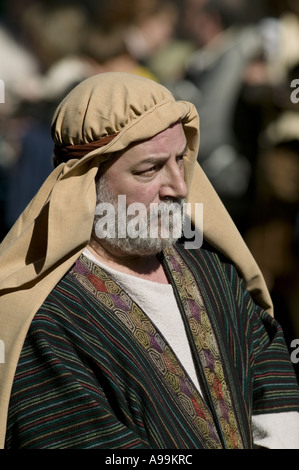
274 430
159 303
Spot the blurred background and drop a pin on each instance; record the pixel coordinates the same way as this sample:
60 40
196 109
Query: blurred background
236 60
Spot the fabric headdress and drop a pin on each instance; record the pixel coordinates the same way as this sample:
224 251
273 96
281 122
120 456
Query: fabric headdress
55 227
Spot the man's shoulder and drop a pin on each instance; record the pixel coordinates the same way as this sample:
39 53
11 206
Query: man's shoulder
206 253
67 291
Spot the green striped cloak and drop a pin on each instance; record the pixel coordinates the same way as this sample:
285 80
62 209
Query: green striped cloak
96 373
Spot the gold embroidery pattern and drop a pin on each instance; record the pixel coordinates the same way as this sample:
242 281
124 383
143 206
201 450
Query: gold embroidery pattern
206 345
115 299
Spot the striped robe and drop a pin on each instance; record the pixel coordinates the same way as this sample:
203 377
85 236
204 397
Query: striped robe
95 372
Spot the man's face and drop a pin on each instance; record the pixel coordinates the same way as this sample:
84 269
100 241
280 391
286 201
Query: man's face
150 173
152 170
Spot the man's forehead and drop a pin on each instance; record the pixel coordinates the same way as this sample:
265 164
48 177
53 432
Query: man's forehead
171 139
173 134
177 127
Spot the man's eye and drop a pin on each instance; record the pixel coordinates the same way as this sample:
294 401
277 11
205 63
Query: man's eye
148 171
180 160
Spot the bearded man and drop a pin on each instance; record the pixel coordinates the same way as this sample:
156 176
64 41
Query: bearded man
116 339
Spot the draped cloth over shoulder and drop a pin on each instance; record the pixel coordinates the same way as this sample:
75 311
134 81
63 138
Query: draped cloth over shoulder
55 227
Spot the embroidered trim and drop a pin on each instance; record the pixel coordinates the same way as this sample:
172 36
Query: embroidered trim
206 344
114 298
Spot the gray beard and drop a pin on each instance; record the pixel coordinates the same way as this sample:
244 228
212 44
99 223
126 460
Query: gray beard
167 225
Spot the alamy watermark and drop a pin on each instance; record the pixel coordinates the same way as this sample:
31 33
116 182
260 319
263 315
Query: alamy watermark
295 353
2 352
161 220
2 91
295 93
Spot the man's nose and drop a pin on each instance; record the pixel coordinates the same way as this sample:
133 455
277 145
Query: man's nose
174 184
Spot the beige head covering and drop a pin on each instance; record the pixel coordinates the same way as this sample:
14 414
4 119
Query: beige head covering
55 227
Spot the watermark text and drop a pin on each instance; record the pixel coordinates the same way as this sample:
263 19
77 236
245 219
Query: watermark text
2 91
295 92
295 353
2 352
158 221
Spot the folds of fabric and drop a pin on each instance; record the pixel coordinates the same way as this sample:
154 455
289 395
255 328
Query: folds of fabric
119 384
55 227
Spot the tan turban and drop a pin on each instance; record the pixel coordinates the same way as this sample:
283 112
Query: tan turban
55 227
